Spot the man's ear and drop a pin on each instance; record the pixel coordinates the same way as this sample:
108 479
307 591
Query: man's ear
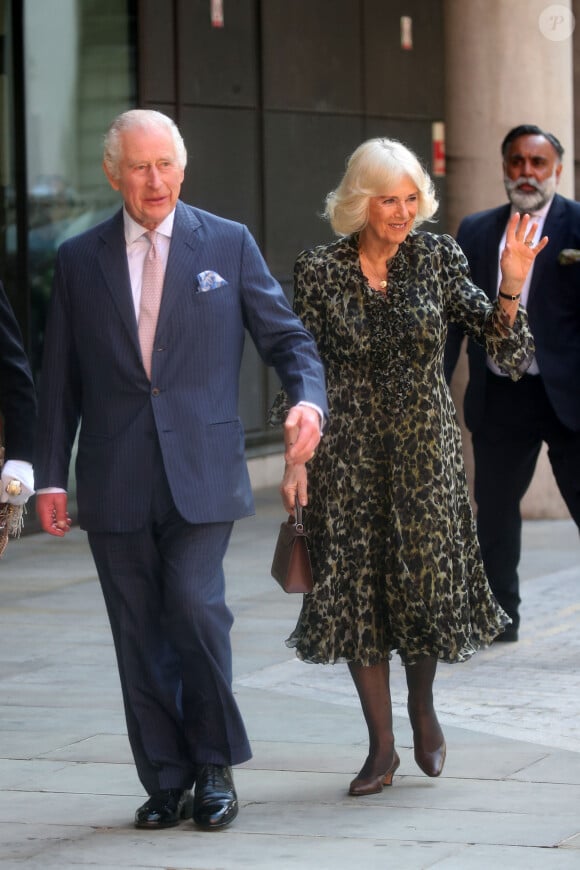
112 181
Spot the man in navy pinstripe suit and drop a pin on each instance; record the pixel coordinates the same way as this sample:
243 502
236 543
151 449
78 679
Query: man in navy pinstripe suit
161 474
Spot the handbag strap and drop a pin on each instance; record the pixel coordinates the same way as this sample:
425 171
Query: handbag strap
298 515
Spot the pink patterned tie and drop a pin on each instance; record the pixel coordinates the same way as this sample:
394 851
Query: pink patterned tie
151 290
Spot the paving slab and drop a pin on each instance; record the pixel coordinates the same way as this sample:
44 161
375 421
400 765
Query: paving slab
509 794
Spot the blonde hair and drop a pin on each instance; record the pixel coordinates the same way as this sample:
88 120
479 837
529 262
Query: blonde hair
113 145
372 170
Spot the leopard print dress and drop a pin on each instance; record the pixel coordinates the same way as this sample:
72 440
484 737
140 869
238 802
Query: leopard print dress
394 550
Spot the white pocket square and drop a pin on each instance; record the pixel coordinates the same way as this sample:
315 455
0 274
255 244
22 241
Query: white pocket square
209 280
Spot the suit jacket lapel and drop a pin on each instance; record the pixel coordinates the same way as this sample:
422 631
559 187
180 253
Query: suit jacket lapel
554 228
179 274
181 268
113 261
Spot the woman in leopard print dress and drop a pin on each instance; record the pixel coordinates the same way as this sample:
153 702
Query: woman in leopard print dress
394 550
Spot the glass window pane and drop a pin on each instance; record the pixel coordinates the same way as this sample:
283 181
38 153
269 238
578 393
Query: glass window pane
79 63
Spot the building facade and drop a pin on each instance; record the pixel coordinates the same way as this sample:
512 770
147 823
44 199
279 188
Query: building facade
271 97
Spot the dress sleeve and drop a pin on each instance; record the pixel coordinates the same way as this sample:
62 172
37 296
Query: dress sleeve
511 348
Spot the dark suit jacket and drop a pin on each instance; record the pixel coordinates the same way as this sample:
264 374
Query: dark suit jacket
17 394
553 308
93 371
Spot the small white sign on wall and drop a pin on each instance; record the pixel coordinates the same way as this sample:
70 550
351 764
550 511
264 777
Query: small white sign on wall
217 13
406 32
438 143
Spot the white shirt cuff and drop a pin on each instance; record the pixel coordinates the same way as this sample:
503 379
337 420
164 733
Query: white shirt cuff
318 410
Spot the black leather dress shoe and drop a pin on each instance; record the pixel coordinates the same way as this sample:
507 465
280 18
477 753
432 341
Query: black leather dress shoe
215 803
508 635
165 809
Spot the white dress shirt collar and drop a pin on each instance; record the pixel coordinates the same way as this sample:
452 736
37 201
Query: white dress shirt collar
134 231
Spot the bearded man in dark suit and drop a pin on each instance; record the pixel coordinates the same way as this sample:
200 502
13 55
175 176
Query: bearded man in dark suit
510 420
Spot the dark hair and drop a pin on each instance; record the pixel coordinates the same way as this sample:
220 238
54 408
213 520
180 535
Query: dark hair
531 130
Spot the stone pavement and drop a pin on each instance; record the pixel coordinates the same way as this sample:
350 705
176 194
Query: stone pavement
509 794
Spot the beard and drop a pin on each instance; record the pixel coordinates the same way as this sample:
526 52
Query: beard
527 201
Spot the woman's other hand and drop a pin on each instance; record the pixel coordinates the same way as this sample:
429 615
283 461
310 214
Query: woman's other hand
519 252
294 482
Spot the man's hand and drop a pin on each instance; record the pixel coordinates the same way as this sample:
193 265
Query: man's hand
301 434
51 508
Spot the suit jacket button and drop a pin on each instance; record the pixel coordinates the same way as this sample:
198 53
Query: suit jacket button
155 391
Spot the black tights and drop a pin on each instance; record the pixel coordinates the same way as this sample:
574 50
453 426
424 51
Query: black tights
426 729
372 685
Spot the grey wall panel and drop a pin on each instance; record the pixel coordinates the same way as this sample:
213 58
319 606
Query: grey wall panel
416 135
408 83
156 56
223 168
304 157
218 66
312 55
272 104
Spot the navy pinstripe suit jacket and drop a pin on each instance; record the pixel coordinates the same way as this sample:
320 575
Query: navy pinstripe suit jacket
93 372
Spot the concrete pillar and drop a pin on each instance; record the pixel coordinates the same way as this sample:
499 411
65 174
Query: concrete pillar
508 62
501 70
